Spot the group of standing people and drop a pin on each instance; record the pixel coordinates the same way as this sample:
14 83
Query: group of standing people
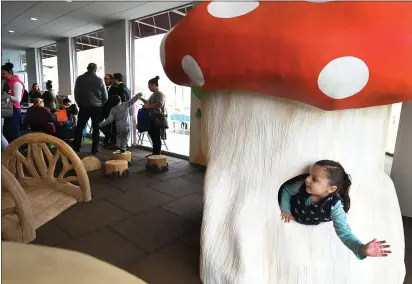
110 101
97 100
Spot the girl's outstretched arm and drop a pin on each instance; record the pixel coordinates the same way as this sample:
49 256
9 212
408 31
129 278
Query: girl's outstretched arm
344 232
374 248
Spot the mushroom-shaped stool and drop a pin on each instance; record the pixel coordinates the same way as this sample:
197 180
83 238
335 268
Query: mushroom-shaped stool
286 84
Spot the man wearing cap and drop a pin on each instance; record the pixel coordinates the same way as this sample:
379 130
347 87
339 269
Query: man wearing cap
91 94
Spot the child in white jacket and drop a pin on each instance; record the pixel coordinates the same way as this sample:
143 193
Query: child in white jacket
120 113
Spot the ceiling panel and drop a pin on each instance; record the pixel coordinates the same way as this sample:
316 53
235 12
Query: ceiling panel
110 8
10 10
81 15
149 8
58 19
82 30
54 11
70 21
19 40
41 43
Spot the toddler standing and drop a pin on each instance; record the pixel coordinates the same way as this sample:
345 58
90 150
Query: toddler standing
120 113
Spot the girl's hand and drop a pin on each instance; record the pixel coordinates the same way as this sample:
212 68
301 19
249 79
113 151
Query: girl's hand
375 249
287 217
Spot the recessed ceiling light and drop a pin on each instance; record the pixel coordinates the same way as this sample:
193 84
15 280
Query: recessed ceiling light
68 0
11 31
33 19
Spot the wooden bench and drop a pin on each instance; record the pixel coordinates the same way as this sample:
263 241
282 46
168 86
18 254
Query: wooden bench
38 186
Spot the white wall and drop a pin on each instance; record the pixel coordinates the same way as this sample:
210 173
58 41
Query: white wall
34 66
117 46
13 56
402 161
66 63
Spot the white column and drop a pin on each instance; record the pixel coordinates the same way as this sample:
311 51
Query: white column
34 70
117 50
118 56
66 64
402 161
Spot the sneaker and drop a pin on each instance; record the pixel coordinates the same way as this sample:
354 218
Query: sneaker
122 151
117 152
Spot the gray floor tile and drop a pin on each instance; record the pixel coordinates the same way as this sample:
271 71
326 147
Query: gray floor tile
408 264
188 167
152 229
87 217
173 264
191 238
141 200
172 173
408 237
50 235
197 177
102 191
138 166
107 246
139 154
174 160
178 187
133 181
189 207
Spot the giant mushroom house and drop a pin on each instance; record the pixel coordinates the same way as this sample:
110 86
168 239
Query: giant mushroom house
286 84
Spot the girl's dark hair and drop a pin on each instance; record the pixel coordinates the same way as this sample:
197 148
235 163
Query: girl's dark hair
116 100
339 178
8 67
66 101
154 81
34 84
49 84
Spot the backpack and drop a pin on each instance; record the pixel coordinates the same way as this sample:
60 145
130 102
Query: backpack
144 120
25 98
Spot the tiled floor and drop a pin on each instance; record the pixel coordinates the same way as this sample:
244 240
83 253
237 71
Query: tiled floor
146 224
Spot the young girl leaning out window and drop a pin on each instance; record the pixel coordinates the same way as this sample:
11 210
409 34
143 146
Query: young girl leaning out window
322 197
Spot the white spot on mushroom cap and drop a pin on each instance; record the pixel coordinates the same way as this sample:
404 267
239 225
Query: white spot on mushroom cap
319 1
343 77
193 71
227 10
163 48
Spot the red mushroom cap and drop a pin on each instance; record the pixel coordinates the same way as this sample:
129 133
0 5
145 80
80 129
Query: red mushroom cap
333 55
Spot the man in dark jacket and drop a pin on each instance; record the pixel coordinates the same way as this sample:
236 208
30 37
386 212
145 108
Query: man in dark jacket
111 88
109 130
124 93
91 94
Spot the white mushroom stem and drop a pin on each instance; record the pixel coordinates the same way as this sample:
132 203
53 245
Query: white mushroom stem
254 144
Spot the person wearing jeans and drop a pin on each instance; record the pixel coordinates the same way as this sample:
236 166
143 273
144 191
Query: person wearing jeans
11 126
91 94
156 102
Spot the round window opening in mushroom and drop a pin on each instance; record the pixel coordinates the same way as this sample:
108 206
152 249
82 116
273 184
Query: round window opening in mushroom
322 196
